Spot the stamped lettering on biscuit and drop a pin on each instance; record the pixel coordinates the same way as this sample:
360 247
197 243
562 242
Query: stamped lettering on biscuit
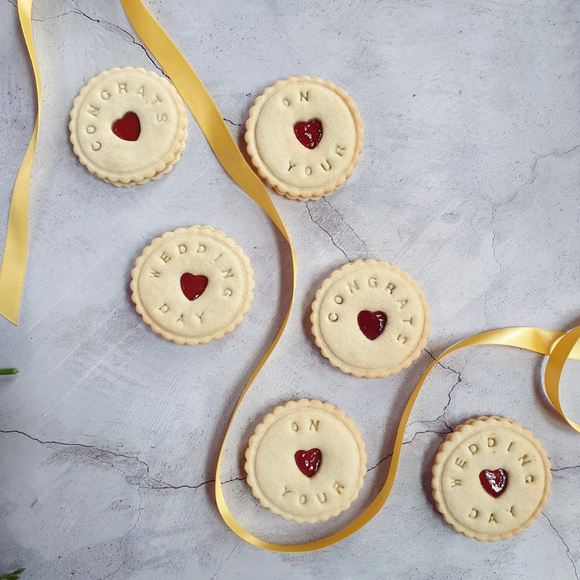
120 136
306 461
497 479
359 315
181 272
305 137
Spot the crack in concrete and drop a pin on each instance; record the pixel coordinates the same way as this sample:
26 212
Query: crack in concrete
442 417
441 364
381 461
169 486
139 509
529 181
407 443
568 553
554 153
554 470
132 38
359 241
232 123
499 273
141 481
325 200
533 172
88 447
110 25
326 232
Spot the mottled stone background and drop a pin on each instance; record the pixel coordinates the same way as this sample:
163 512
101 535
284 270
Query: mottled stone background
469 181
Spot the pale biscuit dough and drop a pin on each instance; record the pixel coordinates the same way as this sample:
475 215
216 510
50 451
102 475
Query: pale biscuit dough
371 286
200 252
107 98
286 164
155 177
491 444
273 472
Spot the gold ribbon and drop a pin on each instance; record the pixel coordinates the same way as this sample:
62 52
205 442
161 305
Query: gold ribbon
559 346
16 244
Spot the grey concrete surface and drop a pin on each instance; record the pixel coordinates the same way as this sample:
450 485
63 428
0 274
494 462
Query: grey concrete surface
468 181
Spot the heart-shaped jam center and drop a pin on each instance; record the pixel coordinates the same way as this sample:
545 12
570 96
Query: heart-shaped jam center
193 286
309 133
372 324
308 462
128 127
494 482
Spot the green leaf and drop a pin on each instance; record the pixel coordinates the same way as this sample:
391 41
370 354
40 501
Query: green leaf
12 575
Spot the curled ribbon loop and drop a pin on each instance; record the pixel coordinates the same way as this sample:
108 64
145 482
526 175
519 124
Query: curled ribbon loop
16 244
565 348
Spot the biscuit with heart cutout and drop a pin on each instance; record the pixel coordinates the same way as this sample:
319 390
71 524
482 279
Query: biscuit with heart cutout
370 319
128 126
491 478
192 285
306 461
305 137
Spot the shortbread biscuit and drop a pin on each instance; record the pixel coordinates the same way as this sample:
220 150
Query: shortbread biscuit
306 461
370 319
155 177
491 478
193 285
128 126
304 137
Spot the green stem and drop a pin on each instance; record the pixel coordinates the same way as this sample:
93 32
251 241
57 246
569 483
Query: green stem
8 372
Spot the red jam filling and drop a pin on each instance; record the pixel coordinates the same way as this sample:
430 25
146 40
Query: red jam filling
193 286
372 324
494 482
309 461
128 127
309 133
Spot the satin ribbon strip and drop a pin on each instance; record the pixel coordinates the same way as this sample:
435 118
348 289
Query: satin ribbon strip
559 346
563 349
16 244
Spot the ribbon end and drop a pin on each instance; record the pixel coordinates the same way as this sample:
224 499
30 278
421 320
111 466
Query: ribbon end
11 317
